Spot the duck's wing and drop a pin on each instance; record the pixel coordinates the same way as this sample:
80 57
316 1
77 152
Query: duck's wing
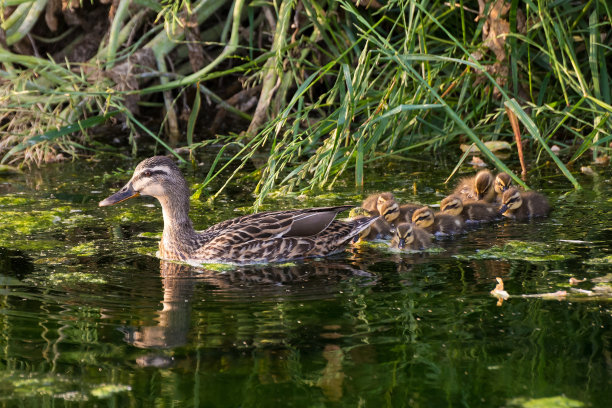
283 235
300 222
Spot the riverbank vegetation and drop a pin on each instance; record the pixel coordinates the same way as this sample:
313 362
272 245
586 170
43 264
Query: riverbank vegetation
316 88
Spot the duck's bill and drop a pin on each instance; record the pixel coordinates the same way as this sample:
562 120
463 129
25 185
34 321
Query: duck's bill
503 209
125 193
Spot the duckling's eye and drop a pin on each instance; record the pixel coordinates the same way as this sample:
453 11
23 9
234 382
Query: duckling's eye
147 173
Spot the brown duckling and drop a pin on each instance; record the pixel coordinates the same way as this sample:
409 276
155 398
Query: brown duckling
440 223
371 202
379 229
479 187
474 211
502 182
409 236
524 205
384 204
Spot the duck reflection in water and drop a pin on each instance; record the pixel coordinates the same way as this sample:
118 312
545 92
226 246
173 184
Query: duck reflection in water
179 282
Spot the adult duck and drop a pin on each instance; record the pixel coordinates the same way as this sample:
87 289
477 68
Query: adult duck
256 238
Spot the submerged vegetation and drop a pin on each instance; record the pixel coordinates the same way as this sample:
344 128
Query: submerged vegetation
315 87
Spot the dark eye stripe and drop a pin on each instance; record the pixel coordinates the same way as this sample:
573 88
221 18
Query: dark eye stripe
148 173
391 211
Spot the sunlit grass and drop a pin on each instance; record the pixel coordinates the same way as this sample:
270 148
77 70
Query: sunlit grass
342 85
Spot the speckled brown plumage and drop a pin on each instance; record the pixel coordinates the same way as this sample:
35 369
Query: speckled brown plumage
409 236
257 238
439 223
474 211
522 206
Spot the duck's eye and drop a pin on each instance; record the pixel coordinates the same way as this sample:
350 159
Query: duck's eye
147 173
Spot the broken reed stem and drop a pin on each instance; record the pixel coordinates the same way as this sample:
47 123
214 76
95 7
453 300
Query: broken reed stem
270 81
517 136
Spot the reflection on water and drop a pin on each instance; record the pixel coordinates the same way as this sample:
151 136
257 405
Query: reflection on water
87 316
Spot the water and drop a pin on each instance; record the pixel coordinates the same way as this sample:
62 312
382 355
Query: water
89 317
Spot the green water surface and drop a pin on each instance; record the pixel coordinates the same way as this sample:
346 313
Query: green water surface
89 317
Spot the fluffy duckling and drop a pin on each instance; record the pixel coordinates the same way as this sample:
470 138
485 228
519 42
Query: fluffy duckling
379 229
371 203
524 205
502 182
474 211
384 204
440 223
409 236
479 187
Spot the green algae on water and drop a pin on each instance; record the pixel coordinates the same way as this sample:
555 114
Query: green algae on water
107 390
600 261
518 250
559 401
84 249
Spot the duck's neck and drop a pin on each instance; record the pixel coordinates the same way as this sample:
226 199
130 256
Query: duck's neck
179 235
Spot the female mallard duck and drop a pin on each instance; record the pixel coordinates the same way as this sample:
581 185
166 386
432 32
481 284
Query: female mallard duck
523 205
439 223
384 204
474 211
409 236
264 237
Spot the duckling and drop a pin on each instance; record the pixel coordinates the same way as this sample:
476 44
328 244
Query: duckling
503 181
379 229
371 203
440 223
523 205
384 204
409 236
479 187
474 211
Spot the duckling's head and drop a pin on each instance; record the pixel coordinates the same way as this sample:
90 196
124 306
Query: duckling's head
483 183
404 235
511 200
156 176
451 205
387 207
503 181
423 217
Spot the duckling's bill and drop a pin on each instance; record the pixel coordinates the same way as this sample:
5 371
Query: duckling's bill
125 193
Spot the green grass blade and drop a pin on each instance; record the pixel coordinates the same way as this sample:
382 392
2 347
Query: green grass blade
193 116
535 133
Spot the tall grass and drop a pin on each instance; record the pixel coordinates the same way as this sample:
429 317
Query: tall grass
342 85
